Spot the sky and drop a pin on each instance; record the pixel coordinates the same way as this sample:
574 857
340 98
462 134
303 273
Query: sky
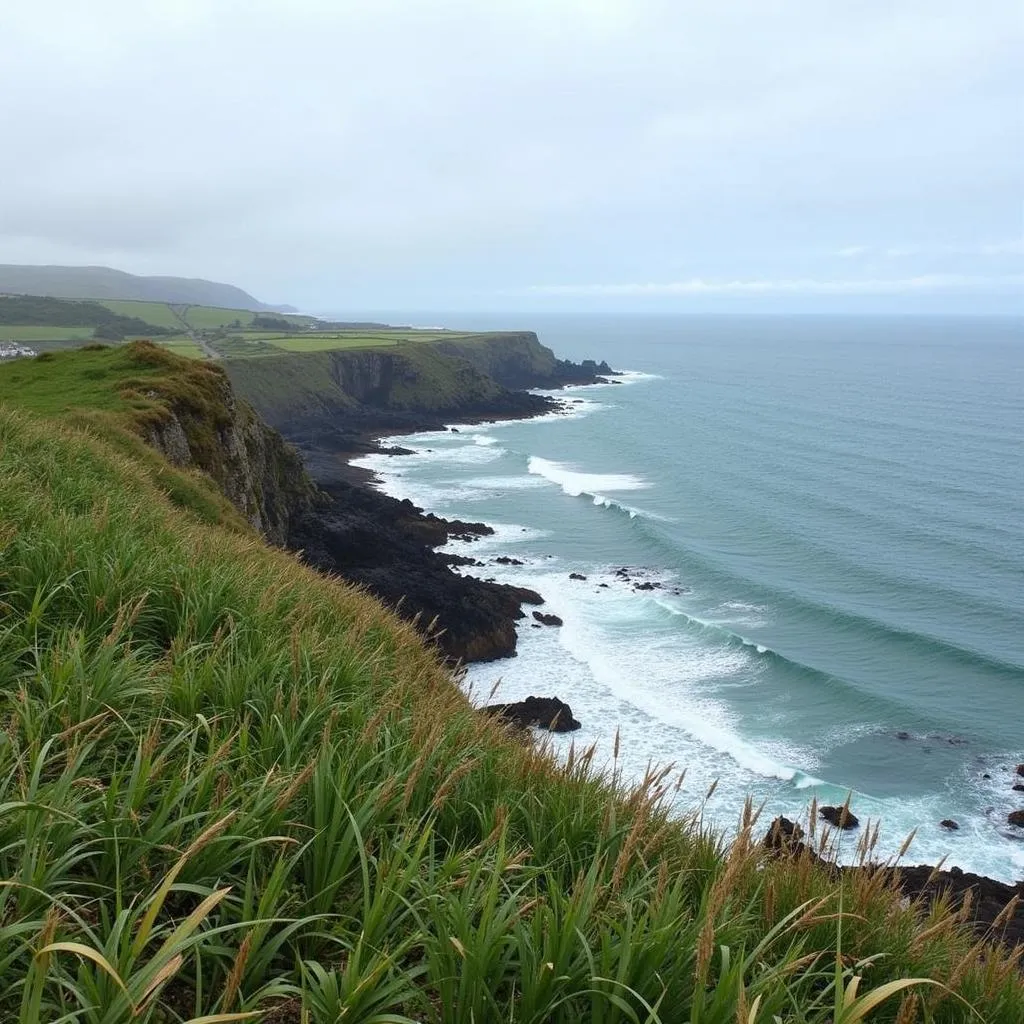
633 155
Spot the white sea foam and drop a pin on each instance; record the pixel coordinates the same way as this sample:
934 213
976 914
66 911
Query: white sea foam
575 483
600 661
463 453
504 483
569 411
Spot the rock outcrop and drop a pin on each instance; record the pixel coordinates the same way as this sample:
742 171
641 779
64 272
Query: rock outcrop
536 712
840 817
990 900
387 546
547 619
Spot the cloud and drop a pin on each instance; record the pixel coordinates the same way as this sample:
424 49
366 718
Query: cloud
1012 247
377 152
797 286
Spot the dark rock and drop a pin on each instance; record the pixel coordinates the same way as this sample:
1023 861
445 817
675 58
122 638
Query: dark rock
841 817
536 625
783 834
989 898
1020 770
454 430
903 735
547 620
577 576
543 712
505 560
1018 787
460 560
985 775
387 546
605 585
1016 818
950 824
647 586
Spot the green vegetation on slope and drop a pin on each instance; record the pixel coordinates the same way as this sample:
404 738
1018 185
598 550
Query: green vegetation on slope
38 312
229 785
28 334
158 313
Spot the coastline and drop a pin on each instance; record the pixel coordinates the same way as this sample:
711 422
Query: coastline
988 898
389 546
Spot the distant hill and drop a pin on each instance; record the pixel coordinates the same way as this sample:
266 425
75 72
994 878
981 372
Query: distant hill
106 283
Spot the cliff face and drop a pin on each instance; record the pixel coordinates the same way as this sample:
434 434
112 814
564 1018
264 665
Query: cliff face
409 386
258 472
519 360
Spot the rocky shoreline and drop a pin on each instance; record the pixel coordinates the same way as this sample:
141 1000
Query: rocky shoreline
389 546
993 909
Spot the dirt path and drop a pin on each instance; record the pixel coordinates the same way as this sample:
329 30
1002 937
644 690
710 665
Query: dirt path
204 346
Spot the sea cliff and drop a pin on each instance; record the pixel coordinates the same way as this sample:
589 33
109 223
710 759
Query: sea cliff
333 404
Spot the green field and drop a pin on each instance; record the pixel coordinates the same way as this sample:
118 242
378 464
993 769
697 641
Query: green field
326 342
207 318
158 313
36 333
183 347
315 343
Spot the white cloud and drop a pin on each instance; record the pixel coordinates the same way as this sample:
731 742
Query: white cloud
853 250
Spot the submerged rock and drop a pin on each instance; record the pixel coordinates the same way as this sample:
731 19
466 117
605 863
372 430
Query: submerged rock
950 824
577 576
541 712
1016 818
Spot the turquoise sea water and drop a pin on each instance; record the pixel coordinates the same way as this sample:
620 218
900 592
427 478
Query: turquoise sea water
834 509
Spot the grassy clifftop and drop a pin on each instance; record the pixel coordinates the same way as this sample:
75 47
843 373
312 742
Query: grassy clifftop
180 418
231 786
417 377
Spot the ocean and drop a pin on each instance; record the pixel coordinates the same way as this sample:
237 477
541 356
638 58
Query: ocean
830 515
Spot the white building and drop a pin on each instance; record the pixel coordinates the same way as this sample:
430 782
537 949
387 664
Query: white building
12 350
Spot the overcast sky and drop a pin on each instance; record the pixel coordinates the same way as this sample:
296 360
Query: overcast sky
528 154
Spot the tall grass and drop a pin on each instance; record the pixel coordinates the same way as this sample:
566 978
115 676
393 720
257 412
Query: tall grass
231 788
